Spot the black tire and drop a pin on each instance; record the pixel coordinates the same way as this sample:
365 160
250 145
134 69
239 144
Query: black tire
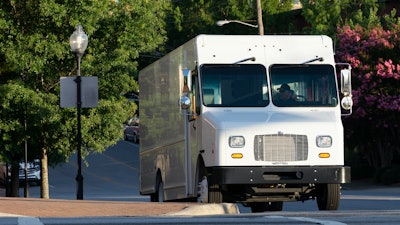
328 196
215 193
158 196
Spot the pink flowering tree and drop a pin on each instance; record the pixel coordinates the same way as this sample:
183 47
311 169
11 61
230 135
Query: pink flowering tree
373 130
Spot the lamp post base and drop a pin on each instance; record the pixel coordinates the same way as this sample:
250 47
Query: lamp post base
79 187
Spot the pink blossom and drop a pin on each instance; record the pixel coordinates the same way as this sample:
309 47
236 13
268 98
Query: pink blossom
376 70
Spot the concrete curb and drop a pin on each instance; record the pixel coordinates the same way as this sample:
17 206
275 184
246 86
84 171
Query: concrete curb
207 209
10 215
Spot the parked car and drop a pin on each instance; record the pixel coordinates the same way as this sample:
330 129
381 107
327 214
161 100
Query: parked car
132 130
33 172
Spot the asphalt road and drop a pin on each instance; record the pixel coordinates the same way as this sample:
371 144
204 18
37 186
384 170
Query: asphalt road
299 219
112 175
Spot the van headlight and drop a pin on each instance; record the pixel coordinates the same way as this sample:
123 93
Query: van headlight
236 141
324 141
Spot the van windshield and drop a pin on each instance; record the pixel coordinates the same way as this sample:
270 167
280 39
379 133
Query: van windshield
234 85
303 85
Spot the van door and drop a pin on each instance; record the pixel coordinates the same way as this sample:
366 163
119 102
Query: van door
194 131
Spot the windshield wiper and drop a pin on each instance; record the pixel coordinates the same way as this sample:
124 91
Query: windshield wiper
244 60
313 60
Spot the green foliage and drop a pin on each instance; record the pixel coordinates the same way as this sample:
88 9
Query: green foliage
134 27
102 126
278 17
323 16
35 54
188 19
19 104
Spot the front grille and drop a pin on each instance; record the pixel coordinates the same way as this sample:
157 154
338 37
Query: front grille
280 147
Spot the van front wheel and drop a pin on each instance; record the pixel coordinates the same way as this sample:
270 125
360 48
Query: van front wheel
208 192
328 196
215 193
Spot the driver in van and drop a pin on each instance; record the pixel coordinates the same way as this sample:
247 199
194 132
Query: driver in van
285 96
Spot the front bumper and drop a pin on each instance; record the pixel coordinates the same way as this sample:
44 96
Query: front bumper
281 175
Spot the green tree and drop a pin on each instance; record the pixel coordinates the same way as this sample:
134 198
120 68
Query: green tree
35 53
324 16
20 106
190 18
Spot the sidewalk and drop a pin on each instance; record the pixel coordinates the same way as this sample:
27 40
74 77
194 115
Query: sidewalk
84 208
34 207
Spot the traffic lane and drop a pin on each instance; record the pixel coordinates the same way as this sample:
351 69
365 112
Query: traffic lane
111 175
118 165
365 195
114 173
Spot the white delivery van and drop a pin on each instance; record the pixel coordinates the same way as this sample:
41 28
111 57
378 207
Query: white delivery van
258 122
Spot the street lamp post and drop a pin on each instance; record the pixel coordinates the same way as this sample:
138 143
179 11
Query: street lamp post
259 25
78 42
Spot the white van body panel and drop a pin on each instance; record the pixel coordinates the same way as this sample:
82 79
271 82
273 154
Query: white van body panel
233 123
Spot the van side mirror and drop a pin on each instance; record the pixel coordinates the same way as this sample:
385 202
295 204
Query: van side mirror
347 103
345 78
187 79
185 102
345 75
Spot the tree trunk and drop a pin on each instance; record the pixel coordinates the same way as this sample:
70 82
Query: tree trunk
14 192
259 18
44 174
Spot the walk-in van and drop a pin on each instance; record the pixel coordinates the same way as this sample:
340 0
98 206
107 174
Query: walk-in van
246 119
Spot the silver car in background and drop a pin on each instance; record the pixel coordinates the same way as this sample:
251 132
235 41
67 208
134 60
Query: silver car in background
132 130
33 172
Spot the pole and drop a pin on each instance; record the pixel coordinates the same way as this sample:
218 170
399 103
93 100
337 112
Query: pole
259 18
26 185
8 191
79 177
